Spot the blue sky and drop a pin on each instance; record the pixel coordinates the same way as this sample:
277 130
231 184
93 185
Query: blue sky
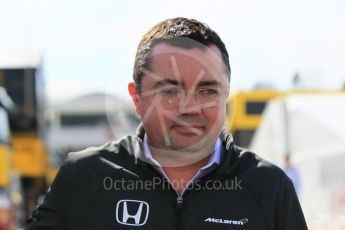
89 46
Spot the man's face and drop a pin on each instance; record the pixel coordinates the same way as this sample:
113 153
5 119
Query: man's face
183 97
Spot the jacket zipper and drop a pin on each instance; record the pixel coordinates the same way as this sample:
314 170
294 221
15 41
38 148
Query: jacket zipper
179 209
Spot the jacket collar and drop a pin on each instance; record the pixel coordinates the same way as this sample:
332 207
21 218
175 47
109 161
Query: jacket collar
225 137
227 167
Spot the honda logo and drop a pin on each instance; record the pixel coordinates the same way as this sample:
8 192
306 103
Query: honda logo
132 212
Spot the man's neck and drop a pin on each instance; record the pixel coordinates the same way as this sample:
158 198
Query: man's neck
180 166
180 176
180 158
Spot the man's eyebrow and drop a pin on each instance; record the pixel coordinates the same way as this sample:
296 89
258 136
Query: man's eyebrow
211 83
165 82
176 83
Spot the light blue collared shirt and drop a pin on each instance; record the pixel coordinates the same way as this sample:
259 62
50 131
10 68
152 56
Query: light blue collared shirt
215 158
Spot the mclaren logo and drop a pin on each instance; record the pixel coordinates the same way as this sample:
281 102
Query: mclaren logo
223 221
132 212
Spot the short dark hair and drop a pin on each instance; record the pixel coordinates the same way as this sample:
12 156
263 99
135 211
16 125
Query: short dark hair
169 31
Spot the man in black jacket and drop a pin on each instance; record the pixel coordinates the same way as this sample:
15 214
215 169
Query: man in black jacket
182 169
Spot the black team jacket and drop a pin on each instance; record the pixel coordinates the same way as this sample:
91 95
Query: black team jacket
112 187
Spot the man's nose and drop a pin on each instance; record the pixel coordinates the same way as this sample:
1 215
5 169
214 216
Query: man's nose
189 104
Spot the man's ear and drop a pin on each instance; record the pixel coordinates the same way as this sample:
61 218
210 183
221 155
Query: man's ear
134 94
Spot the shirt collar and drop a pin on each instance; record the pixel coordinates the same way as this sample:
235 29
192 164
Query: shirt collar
215 157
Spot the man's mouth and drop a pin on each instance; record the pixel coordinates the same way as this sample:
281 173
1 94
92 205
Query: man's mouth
189 129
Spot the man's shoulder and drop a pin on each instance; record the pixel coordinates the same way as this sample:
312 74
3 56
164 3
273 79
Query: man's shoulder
90 153
251 165
263 179
102 159
112 148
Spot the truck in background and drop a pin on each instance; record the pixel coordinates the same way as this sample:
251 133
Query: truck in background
10 196
24 84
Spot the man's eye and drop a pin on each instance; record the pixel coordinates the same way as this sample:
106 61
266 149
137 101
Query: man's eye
170 91
208 91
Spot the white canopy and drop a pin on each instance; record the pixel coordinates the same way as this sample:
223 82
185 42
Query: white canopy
311 127
306 125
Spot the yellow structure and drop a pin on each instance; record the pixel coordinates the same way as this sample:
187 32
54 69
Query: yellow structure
244 110
5 162
24 85
5 156
30 155
6 205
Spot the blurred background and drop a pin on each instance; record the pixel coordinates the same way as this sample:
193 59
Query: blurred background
65 66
